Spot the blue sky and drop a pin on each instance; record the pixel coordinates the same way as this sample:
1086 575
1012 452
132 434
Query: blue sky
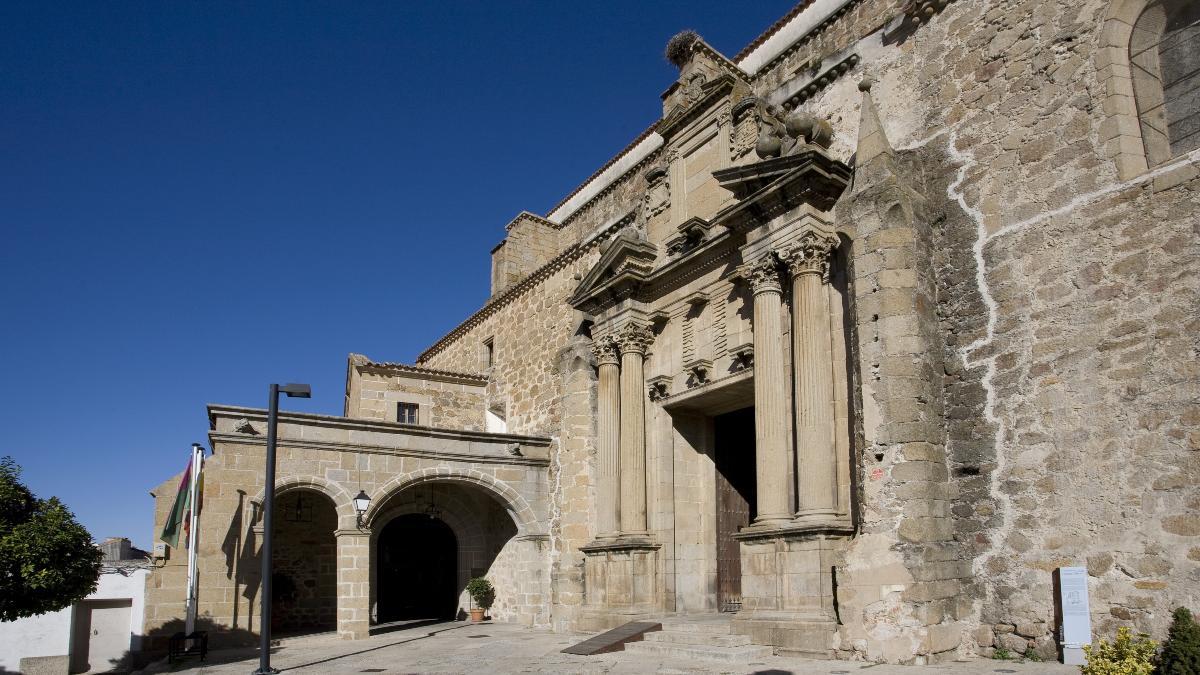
197 199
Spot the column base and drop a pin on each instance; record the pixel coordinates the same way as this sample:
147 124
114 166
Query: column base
621 576
822 516
768 522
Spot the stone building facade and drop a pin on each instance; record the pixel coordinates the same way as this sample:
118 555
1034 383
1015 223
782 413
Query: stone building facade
889 316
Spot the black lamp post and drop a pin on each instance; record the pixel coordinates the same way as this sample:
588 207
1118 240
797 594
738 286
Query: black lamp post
297 391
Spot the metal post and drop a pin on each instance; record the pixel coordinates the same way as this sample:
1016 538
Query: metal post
193 535
264 656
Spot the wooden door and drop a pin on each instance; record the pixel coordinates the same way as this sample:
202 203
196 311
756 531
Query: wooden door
733 513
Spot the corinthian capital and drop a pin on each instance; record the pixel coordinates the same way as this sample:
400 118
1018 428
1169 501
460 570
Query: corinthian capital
605 351
762 275
633 337
810 254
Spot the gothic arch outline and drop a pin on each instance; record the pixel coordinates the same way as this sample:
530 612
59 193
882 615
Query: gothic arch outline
1120 131
512 501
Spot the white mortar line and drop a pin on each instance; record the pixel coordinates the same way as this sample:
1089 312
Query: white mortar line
954 192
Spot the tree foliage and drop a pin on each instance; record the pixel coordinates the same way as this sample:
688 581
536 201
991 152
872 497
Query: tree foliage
1181 653
47 560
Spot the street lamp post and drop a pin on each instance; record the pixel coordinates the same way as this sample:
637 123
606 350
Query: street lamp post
297 391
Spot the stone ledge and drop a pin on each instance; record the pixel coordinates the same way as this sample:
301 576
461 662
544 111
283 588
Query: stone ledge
630 544
796 531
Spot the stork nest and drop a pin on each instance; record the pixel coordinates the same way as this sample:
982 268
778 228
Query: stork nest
679 48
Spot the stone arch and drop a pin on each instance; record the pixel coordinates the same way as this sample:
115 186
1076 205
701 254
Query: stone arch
343 504
1120 131
512 501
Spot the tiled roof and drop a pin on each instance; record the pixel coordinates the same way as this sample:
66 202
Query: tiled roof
360 360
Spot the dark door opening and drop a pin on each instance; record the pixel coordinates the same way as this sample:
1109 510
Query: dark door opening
418 566
733 442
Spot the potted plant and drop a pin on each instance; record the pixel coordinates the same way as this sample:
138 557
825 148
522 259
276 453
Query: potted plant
482 595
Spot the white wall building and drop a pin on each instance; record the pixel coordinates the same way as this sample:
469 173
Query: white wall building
90 636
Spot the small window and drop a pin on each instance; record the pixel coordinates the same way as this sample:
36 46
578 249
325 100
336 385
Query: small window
407 413
489 352
1164 55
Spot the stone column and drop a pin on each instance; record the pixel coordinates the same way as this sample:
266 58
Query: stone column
633 339
353 583
771 418
608 432
812 364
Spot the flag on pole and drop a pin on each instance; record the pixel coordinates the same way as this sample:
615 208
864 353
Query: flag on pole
180 511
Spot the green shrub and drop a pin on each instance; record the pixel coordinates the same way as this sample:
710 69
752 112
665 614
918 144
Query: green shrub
1001 654
1181 653
1126 655
481 592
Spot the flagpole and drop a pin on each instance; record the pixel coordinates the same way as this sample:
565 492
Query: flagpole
193 521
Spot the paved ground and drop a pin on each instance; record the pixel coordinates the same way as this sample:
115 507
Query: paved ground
459 647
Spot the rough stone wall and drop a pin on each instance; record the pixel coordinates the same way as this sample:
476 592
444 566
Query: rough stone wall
528 245
1059 400
529 383
305 553
445 405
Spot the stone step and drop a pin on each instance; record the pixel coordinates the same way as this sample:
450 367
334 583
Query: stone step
698 638
740 655
710 627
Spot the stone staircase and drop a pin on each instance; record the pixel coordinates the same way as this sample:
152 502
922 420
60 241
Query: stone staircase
709 637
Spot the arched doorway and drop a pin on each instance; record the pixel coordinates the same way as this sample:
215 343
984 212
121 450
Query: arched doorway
417 565
304 563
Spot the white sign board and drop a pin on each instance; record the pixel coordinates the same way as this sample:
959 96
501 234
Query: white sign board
1076 616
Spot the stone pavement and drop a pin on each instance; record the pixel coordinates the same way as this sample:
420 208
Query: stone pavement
458 647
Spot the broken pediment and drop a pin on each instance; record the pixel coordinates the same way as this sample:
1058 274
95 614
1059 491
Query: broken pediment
626 261
704 73
692 233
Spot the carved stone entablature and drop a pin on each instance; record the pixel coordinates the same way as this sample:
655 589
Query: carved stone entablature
605 351
820 80
698 371
692 233
696 298
810 254
743 356
762 275
774 186
625 263
658 194
633 337
658 387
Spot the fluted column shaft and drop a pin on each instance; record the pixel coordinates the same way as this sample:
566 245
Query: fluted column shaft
608 484
812 363
632 341
771 418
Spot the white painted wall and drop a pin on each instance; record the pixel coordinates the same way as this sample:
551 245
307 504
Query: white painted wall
50 634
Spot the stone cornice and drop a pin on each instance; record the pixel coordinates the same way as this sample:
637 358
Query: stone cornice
333 421
596 174
575 252
364 449
612 185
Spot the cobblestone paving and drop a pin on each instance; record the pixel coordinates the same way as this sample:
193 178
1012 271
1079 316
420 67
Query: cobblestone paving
500 648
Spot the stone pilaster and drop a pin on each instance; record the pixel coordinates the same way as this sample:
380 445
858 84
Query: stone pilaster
771 418
633 339
608 431
812 366
353 583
